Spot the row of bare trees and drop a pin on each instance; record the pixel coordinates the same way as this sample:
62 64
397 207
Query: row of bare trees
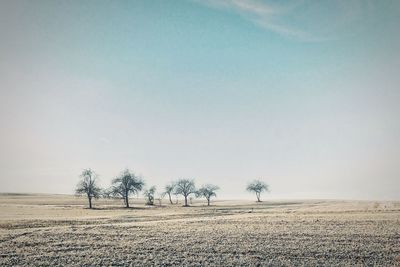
128 183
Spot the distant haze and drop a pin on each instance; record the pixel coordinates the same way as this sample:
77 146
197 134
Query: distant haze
304 95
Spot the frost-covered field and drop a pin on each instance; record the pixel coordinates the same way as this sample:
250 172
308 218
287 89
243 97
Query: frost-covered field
57 230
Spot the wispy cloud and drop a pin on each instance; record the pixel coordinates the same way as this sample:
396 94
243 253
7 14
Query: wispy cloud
104 140
289 19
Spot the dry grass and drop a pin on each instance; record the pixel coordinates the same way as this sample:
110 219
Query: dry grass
56 230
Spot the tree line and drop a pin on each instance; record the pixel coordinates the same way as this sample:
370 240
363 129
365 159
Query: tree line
128 183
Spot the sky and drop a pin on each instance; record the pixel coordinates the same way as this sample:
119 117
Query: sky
303 95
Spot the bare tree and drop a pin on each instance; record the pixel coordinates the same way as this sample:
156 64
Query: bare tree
169 190
207 191
185 187
149 193
126 184
88 186
257 187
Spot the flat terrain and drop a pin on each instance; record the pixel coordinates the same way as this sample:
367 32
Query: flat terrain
58 230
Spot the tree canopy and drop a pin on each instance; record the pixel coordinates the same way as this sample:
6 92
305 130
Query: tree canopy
207 191
88 185
257 186
185 187
125 184
169 190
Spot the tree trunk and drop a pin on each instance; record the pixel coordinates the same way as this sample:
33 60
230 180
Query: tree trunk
170 200
208 201
127 201
258 197
90 202
186 204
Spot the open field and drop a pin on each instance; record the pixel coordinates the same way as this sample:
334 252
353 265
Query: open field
57 230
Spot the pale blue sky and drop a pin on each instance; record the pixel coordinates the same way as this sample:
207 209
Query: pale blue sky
304 94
